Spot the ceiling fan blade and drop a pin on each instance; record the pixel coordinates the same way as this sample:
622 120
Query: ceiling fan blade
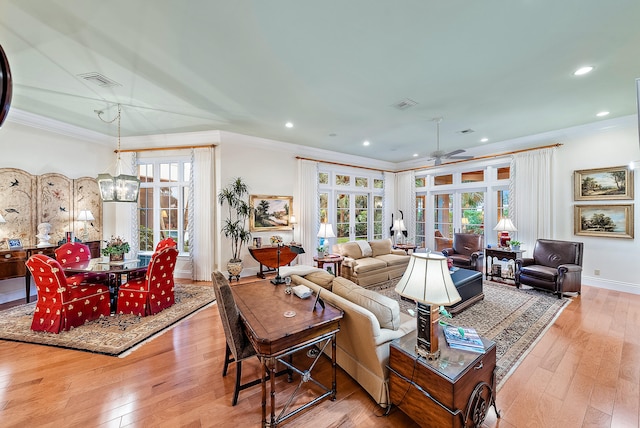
453 153
460 157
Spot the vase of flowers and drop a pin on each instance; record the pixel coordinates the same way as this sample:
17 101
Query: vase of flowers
116 248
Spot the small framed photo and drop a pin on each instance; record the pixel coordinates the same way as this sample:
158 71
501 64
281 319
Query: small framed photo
603 184
14 243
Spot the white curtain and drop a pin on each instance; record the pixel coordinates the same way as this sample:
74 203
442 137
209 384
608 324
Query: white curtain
389 203
306 200
202 203
530 195
406 200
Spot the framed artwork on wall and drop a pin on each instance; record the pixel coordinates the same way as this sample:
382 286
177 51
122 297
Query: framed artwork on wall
603 184
611 221
270 212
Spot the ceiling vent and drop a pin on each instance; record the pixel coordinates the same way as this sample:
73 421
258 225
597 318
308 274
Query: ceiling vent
466 131
405 104
99 79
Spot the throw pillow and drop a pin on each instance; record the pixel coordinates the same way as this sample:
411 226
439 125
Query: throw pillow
385 309
381 247
365 248
324 279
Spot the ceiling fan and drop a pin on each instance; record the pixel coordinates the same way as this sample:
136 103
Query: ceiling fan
438 155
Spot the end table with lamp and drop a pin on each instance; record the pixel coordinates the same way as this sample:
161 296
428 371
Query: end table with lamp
424 381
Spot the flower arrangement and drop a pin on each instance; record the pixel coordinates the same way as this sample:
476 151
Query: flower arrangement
276 239
116 245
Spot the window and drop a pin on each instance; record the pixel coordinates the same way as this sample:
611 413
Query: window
420 229
443 215
163 202
472 212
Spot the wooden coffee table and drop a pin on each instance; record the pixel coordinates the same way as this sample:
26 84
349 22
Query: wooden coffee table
279 325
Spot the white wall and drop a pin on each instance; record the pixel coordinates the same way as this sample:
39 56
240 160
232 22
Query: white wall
606 144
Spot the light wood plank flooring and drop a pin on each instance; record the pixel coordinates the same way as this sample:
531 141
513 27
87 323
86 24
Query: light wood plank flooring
585 372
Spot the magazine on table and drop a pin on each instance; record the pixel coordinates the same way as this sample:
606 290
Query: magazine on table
471 341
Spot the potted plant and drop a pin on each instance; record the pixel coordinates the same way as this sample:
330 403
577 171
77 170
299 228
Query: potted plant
515 245
235 197
116 248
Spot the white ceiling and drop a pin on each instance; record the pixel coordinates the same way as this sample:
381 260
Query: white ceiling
334 68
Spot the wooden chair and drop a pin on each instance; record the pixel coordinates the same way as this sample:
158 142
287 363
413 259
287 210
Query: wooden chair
238 346
153 293
62 305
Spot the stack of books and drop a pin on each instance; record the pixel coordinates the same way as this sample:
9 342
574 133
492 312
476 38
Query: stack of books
469 342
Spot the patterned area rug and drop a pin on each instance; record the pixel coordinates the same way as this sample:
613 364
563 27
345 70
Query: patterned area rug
115 335
513 318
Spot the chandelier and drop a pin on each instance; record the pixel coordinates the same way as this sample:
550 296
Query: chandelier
121 187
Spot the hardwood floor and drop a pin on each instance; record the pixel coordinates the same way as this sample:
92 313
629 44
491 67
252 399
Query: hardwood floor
585 372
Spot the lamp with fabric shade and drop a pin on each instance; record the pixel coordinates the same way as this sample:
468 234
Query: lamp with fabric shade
292 221
325 231
505 226
398 228
2 220
85 215
428 282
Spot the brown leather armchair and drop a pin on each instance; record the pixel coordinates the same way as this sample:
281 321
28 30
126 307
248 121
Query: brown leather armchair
466 251
556 266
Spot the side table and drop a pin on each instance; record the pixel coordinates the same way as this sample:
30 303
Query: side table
335 260
406 247
456 390
495 267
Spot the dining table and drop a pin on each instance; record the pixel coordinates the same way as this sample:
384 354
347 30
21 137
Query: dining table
118 272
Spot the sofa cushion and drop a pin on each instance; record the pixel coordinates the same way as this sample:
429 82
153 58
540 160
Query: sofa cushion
369 264
324 279
395 259
350 249
385 309
381 247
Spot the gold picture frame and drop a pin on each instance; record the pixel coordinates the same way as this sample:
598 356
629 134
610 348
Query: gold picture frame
610 221
603 184
270 212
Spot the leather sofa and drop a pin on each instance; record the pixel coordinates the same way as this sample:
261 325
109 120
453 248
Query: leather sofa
556 266
379 264
466 251
371 321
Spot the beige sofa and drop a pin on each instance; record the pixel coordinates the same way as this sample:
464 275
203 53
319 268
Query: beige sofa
371 321
379 264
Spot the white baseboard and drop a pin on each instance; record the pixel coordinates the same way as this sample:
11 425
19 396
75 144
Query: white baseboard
625 287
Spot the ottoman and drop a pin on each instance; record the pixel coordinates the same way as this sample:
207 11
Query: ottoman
469 286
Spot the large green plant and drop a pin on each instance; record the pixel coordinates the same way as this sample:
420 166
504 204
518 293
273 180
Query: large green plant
235 197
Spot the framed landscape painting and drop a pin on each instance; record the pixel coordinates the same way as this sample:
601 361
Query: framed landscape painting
611 221
270 212
603 184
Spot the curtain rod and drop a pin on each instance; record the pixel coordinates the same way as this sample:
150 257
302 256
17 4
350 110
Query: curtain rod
433 166
153 149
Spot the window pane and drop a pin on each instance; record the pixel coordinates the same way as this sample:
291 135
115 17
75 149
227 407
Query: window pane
443 215
187 173
472 176
323 178
362 182
440 180
342 217
361 212
420 221
473 212
378 183
377 217
145 172
323 204
503 173
421 182
343 180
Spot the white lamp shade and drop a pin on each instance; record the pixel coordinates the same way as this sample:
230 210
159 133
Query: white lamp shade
427 280
326 231
398 226
506 225
2 220
292 219
85 215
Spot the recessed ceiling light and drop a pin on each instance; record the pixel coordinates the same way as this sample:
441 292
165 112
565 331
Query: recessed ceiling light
289 125
583 70
415 155
602 114
484 140
366 143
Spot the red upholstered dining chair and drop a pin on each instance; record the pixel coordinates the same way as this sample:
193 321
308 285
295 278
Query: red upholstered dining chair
62 305
74 252
166 243
153 293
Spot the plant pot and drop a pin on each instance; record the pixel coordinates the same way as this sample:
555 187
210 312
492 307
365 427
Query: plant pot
113 257
515 247
234 267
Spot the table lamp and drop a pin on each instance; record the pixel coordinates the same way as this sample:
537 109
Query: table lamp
2 220
428 282
326 231
85 215
505 226
398 228
292 221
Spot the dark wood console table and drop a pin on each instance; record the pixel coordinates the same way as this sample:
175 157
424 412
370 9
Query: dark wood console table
12 262
267 255
495 270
